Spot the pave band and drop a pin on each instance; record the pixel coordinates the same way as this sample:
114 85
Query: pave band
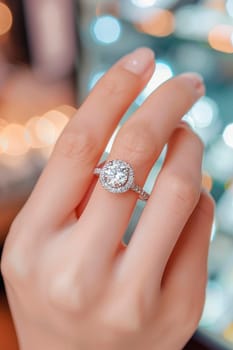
117 176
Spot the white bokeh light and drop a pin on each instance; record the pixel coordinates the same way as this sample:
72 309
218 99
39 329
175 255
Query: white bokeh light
203 112
228 135
204 119
162 73
224 211
144 3
215 305
106 29
229 7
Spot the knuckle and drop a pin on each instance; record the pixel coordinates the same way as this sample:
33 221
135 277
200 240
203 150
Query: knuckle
80 145
15 267
64 294
128 316
184 190
137 143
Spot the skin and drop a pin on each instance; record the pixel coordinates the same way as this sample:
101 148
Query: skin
71 284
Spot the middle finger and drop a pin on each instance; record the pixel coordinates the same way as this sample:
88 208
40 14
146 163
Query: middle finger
139 143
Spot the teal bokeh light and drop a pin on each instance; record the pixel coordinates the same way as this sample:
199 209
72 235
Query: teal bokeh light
106 29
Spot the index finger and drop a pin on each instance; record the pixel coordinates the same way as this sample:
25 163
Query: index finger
70 169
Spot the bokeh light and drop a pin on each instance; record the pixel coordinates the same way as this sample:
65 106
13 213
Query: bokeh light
3 124
6 19
229 7
106 29
160 23
58 119
162 73
40 132
203 112
12 140
228 332
204 119
220 38
46 131
228 135
215 305
207 181
144 3
218 160
224 211
31 134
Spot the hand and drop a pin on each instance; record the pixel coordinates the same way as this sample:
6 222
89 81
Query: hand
71 284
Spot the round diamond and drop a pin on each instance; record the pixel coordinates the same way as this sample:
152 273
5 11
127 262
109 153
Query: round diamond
117 176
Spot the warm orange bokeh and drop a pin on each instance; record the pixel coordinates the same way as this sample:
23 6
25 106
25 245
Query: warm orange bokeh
12 140
58 119
207 181
6 19
160 23
221 38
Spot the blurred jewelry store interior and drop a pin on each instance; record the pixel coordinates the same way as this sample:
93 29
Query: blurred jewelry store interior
52 53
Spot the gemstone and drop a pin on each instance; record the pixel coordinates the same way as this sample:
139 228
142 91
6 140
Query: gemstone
115 174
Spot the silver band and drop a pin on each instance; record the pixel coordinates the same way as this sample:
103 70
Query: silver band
117 176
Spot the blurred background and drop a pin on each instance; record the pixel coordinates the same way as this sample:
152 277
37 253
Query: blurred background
52 53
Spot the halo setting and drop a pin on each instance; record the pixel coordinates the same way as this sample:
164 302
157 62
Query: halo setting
117 176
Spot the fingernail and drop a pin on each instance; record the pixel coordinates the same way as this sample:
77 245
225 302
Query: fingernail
139 61
197 81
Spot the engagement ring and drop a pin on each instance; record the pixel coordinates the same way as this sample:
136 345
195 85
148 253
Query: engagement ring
117 176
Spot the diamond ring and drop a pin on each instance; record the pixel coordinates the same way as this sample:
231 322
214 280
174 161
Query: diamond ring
117 176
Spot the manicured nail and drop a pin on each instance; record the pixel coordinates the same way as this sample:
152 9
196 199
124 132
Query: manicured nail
139 61
197 82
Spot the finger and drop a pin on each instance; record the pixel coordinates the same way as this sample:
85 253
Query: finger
82 205
70 169
172 201
139 142
185 276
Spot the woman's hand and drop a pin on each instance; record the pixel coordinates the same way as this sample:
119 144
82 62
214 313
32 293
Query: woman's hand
71 284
